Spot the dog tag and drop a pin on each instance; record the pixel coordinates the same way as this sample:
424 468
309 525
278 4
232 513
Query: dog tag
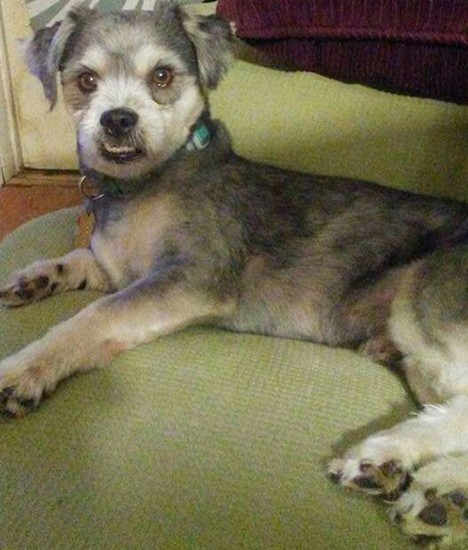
85 228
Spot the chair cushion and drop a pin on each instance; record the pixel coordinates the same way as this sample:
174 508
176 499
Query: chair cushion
210 439
202 439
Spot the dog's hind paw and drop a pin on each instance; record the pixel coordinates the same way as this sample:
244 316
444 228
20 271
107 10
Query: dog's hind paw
387 479
435 507
381 465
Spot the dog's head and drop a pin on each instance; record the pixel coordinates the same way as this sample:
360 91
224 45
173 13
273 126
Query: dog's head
135 82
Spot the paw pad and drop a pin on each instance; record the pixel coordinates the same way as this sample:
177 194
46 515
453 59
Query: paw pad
435 516
27 289
388 479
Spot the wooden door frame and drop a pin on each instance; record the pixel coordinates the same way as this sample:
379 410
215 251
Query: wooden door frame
10 154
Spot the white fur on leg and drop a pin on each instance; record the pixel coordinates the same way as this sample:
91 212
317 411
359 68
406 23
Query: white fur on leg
437 431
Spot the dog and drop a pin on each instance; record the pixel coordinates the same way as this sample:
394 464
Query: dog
188 232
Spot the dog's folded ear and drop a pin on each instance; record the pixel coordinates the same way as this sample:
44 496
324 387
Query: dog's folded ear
213 39
45 51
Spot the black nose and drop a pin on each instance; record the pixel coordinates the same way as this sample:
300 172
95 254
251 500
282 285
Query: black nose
118 122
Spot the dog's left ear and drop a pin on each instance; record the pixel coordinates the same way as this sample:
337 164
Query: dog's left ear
213 39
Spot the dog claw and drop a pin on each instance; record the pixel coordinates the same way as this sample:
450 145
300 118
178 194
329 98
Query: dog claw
6 394
14 406
334 476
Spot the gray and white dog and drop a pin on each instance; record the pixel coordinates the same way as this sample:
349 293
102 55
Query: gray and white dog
188 232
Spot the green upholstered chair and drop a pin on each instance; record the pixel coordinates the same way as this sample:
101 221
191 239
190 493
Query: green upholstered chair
207 439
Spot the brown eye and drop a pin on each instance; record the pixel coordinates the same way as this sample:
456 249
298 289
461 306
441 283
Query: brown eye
162 77
87 82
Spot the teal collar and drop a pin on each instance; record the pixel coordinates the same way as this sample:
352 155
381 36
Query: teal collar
200 138
110 187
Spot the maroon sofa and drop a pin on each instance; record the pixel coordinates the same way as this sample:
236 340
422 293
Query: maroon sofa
412 47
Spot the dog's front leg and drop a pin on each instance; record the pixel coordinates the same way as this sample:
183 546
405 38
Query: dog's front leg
77 270
140 313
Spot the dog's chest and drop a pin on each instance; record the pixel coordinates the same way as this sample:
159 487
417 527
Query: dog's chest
133 238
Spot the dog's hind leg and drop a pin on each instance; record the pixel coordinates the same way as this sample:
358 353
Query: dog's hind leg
429 325
78 270
149 308
383 462
432 500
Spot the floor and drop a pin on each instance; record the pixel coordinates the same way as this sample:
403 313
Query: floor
34 193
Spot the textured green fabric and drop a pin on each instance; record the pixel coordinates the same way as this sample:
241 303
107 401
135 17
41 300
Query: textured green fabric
307 122
208 439
203 439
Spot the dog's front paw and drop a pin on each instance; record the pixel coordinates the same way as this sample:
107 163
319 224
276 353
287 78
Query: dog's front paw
34 283
23 383
435 507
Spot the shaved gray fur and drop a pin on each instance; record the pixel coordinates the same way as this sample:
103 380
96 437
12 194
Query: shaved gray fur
188 232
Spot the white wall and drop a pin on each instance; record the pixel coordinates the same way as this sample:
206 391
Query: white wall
46 139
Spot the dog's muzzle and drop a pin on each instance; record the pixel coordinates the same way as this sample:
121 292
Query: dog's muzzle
118 125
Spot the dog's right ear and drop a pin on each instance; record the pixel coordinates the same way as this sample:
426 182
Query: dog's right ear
45 50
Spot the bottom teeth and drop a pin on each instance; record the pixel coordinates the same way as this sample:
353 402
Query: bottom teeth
118 150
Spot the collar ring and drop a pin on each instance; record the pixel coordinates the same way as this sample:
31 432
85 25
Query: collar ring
81 187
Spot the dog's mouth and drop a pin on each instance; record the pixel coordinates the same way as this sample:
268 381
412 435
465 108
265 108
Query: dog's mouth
120 153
